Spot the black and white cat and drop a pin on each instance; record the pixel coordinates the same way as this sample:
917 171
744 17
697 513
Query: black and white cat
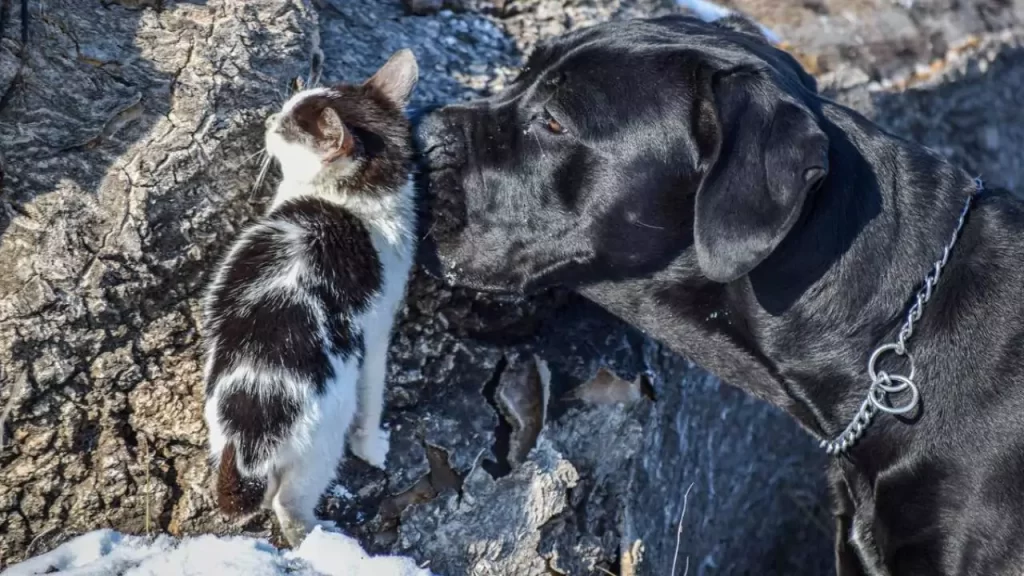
298 318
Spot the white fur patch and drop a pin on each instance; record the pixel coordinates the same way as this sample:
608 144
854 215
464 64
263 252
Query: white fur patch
299 163
301 95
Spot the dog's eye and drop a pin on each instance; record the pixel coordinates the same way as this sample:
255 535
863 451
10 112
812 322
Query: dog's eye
553 126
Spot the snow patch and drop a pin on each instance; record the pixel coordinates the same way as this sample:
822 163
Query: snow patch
106 552
339 491
709 12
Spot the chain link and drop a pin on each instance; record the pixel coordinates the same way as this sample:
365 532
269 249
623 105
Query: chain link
882 383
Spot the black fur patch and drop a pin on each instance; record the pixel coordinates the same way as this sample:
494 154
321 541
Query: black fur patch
258 421
338 247
344 273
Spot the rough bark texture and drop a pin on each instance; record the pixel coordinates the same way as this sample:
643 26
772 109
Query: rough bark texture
531 438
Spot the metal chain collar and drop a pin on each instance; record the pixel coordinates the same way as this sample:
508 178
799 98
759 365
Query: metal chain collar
882 383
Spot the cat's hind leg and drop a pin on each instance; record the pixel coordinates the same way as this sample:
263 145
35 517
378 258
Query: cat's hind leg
301 483
314 450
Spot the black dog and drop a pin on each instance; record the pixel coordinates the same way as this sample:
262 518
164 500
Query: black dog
688 177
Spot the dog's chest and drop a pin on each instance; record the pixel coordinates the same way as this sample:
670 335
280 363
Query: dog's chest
863 541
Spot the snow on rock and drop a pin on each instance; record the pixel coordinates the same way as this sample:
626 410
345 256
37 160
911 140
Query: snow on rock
709 12
106 552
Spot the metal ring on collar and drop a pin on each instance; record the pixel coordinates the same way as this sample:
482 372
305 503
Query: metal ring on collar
885 382
878 396
895 349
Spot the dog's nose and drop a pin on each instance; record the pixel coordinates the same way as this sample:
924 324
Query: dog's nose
429 127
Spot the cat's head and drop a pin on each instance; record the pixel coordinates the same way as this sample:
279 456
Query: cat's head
354 133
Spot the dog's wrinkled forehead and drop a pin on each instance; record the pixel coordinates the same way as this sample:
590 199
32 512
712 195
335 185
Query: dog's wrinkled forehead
730 43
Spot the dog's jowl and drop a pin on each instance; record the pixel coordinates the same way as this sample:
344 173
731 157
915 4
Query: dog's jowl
689 178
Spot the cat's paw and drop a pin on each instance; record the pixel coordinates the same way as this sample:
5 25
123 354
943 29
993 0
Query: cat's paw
371 446
294 531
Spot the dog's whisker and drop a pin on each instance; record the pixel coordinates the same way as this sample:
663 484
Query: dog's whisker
651 226
540 145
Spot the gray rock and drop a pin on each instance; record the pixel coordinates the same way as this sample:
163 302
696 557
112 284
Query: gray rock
423 7
969 110
130 142
885 39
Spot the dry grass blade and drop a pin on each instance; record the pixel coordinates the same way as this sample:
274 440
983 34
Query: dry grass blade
8 408
679 535
30 550
146 462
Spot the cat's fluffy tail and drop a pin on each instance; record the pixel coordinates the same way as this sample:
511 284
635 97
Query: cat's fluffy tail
237 495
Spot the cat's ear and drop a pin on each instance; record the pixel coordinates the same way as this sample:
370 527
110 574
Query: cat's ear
397 77
336 140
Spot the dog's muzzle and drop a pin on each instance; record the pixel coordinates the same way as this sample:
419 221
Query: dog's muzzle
442 146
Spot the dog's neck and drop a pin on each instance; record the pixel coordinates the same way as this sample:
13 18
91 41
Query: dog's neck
798 330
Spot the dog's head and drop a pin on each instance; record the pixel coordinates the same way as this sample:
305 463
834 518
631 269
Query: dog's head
622 149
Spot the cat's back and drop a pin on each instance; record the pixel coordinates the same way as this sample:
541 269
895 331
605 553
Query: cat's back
302 248
335 245
289 289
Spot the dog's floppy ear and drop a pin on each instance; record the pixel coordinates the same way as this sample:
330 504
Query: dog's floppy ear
765 153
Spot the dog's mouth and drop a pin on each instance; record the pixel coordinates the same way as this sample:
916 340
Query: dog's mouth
438 182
